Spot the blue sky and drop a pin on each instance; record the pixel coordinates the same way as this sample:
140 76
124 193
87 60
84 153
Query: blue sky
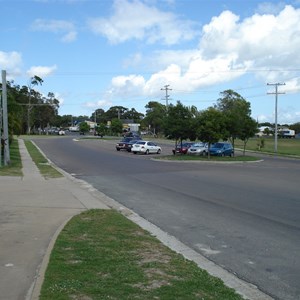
100 53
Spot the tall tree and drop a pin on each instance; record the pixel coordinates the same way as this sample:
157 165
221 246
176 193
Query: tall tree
155 114
248 129
98 116
133 115
236 110
210 126
32 97
177 123
115 112
116 126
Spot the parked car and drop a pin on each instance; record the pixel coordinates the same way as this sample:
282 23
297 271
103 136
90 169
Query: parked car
182 148
221 149
145 147
133 134
128 145
122 145
61 132
198 149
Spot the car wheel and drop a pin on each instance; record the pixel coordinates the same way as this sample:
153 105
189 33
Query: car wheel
118 149
134 152
158 151
147 152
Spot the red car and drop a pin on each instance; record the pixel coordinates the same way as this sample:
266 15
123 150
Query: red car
182 148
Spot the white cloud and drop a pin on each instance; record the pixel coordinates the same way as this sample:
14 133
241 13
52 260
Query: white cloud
67 29
128 85
11 62
69 37
264 41
229 48
97 104
133 60
41 71
270 7
136 20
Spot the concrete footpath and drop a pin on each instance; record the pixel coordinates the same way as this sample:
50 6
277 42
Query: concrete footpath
32 211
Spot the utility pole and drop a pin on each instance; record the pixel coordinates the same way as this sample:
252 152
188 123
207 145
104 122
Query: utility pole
166 88
276 93
5 138
1 127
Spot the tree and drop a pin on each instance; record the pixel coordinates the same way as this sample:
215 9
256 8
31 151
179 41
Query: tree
295 127
84 127
98 116
267 131
101 130
45 112
155 114
116 126
115 112
210 125
133 115
177 124
15 111
248 129
236 110
34 81
64 121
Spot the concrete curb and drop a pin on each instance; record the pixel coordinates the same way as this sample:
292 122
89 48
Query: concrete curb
35 289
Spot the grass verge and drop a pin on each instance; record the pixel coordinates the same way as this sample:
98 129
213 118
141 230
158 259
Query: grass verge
15 166
284 146
41 162
100 254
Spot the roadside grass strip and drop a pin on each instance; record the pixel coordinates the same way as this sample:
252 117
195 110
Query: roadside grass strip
15 166
100 254
285 147
41 162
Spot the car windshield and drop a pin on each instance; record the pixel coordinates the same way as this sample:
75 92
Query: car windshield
198 145
183 145
218 145
140 143
126 140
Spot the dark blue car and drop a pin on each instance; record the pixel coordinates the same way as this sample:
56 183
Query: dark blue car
221 149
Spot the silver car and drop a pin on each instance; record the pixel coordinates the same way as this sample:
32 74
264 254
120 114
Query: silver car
198 149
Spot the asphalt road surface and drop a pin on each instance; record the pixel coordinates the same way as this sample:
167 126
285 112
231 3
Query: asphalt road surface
242 216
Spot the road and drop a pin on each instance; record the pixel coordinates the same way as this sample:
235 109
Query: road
242 216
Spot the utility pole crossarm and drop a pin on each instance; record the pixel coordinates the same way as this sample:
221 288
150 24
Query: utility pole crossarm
166 88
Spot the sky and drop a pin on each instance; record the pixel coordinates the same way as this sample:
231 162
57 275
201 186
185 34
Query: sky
96 54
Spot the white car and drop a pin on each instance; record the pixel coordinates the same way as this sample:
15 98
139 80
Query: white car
145 147
198 149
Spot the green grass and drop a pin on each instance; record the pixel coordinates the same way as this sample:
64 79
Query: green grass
100 254
41 162
15 166
284 146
